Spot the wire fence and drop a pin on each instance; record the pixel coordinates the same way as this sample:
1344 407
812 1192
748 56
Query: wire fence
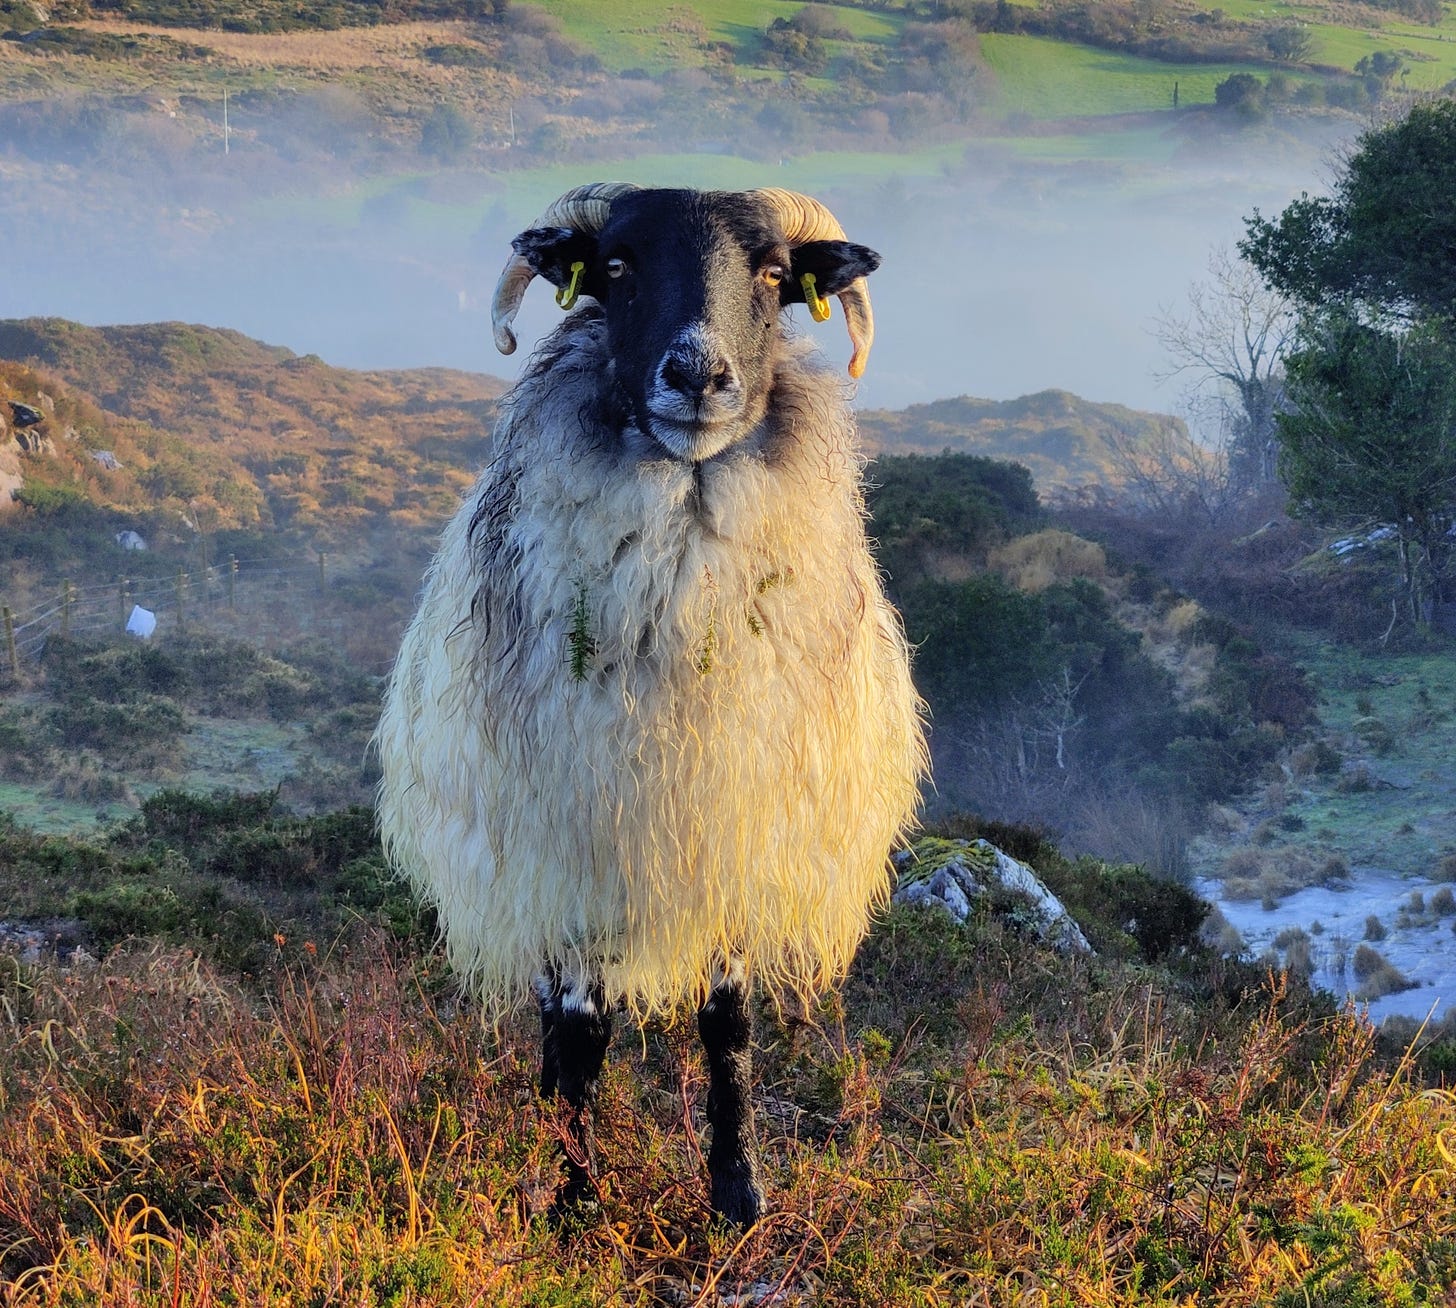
220 595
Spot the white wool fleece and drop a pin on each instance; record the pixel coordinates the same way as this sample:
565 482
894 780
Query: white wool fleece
649 715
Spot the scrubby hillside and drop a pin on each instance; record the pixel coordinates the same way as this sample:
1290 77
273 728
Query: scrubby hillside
210 423
1066 442
1065 689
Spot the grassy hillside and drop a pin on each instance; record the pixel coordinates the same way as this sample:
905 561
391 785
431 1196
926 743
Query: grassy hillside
1065 441
396 88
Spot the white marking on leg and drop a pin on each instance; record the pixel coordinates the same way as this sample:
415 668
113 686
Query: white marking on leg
577 998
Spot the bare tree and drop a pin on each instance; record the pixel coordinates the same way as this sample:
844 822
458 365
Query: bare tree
1229 347
1169 476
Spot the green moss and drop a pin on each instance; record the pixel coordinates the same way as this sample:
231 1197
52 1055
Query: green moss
931 853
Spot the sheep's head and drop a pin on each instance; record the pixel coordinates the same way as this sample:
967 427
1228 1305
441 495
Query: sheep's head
692 284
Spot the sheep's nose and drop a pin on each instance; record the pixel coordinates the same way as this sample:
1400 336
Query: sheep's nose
696 375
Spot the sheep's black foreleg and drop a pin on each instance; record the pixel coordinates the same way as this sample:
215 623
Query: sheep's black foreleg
726 1026
576 1028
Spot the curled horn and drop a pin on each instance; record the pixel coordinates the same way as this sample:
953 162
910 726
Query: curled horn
804 219
583 209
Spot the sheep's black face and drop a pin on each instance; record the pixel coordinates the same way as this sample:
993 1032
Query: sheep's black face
692 284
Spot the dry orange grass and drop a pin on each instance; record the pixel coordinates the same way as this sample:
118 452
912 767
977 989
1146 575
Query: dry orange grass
394 46
167 1139
1032 563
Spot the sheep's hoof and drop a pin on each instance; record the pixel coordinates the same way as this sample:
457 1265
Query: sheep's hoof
738 1198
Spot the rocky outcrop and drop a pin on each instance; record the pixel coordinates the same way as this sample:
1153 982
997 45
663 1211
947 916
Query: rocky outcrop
30 441
952 875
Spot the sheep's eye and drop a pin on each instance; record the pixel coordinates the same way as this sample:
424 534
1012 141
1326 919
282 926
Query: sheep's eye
773 274
616 267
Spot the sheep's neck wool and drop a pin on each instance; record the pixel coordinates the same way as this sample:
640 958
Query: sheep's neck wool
651 714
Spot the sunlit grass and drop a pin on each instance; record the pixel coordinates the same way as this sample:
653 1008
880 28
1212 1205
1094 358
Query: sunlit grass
1043 78
639 33
168 1140
1430 50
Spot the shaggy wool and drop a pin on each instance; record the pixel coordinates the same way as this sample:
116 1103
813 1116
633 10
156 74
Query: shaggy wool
653 715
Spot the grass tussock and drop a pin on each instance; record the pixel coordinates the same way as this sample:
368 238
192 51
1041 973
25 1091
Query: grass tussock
168 1138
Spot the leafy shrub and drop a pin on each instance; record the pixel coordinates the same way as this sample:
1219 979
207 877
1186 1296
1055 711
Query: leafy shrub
1318 758
951 504
785 46
1241 94
185 818
454 54
51 501
1367 962
1374 930
446 133
978 640
148 727
1374 734
117 672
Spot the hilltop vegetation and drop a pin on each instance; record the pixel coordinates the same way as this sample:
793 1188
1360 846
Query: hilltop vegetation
211 425
1064 441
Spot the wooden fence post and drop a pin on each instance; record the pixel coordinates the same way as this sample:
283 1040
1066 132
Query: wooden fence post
323 576
67 595
10 643
232 579
181 589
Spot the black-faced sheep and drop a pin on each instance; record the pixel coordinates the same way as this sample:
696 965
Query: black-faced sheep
652 733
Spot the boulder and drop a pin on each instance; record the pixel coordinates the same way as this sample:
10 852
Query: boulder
952 875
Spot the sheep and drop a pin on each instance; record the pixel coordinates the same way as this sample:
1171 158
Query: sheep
651 733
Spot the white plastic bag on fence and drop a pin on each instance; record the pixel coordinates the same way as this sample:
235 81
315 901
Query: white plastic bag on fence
142 622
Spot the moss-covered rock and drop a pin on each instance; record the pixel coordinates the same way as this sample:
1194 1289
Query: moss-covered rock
954 874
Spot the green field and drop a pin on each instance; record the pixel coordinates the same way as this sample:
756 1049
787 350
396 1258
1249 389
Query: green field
640 34
1430 51
1042 78
536 187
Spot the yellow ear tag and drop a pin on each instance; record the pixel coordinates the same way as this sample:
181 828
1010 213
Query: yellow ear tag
818 305
566 295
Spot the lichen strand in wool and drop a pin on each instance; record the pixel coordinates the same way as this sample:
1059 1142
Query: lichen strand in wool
719 764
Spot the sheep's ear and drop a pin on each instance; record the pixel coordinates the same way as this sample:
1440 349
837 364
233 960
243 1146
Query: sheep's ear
552 250
835 264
